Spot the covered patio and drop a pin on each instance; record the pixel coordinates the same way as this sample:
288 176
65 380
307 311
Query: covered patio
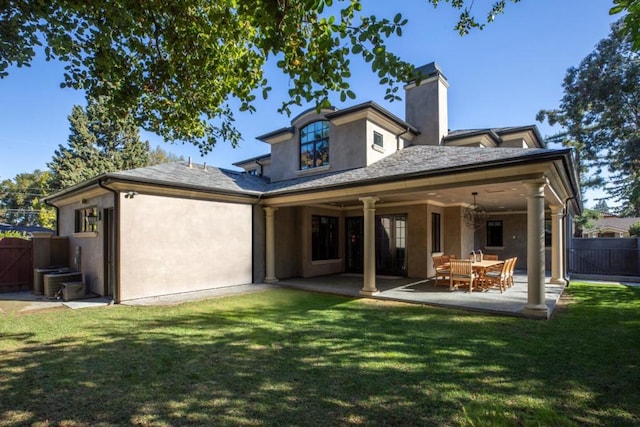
423 291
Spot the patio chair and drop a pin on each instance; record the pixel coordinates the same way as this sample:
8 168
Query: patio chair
512 266
490 257
461 271
498 278
441 268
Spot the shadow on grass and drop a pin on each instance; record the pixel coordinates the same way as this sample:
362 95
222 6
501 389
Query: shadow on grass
288 357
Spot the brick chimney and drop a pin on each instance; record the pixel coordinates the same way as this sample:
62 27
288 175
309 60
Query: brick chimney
426 105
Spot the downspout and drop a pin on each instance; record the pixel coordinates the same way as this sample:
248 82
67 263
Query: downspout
398 138
116 241
569 239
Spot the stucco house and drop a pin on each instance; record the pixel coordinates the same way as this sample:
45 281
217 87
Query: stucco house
355 190
610 226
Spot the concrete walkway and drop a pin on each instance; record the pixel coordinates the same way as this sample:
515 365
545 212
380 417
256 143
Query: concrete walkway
26 301
416 291
423 291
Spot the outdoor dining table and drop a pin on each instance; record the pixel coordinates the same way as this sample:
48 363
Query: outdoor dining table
481 267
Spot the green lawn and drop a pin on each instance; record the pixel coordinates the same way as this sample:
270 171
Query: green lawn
286 357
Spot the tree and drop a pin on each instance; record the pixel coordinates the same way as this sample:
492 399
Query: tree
97 143
176 68
159 156
21 200
631 20
585 221
600 115
634 230
602 207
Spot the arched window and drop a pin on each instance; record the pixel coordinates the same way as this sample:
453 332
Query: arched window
314 145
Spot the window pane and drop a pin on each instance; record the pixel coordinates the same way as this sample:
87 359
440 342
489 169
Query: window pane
322 153
324 237
494 233
314 145
435 232
377 139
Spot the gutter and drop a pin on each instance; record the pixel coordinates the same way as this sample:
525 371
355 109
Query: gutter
541 158
48 203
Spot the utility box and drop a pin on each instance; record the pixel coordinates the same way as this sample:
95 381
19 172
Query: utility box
53 282
73 290
38 277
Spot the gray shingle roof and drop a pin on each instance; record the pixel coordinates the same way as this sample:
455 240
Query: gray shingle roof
180 174
414 160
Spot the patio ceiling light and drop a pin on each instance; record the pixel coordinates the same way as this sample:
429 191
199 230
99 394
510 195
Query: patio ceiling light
474 215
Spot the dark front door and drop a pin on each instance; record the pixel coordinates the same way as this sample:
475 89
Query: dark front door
391 239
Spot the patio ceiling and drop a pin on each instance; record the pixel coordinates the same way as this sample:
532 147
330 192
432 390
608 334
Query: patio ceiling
499 197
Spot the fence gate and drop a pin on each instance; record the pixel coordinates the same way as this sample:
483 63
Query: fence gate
16 265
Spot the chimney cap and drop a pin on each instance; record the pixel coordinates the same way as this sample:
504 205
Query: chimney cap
427 71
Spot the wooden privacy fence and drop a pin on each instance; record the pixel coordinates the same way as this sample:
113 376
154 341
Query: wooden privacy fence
605 261
16 265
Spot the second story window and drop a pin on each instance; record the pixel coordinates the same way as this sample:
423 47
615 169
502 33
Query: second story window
314 145
377 139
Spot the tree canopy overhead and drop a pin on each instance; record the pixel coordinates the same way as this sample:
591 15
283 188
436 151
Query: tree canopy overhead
176 68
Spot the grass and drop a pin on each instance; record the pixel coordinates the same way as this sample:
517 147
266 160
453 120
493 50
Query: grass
286 357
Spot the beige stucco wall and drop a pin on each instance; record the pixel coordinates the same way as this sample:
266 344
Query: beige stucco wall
172 245
293 240
287 238
86 250
350 146
389 141
312 268
426 109
285 155
458 238
514 228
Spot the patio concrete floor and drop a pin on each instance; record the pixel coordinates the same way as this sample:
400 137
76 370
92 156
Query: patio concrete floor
423 291
409 290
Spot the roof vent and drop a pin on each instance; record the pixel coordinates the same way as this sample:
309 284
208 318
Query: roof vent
190 165
205 166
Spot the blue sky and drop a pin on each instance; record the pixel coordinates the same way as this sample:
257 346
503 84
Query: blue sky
501 76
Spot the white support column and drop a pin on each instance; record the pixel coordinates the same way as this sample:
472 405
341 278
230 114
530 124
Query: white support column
270 259
557 246
369 282
535 306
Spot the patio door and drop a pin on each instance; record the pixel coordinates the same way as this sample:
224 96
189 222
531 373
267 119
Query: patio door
391 249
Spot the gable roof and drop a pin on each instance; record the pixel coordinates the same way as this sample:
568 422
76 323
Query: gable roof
613 223
496 134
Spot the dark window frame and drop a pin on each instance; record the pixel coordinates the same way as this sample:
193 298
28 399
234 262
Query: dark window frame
86 220
378 139
314 141
495 233
325 237
436 232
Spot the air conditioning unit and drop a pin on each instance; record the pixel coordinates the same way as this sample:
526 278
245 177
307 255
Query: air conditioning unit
73 290
53 282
